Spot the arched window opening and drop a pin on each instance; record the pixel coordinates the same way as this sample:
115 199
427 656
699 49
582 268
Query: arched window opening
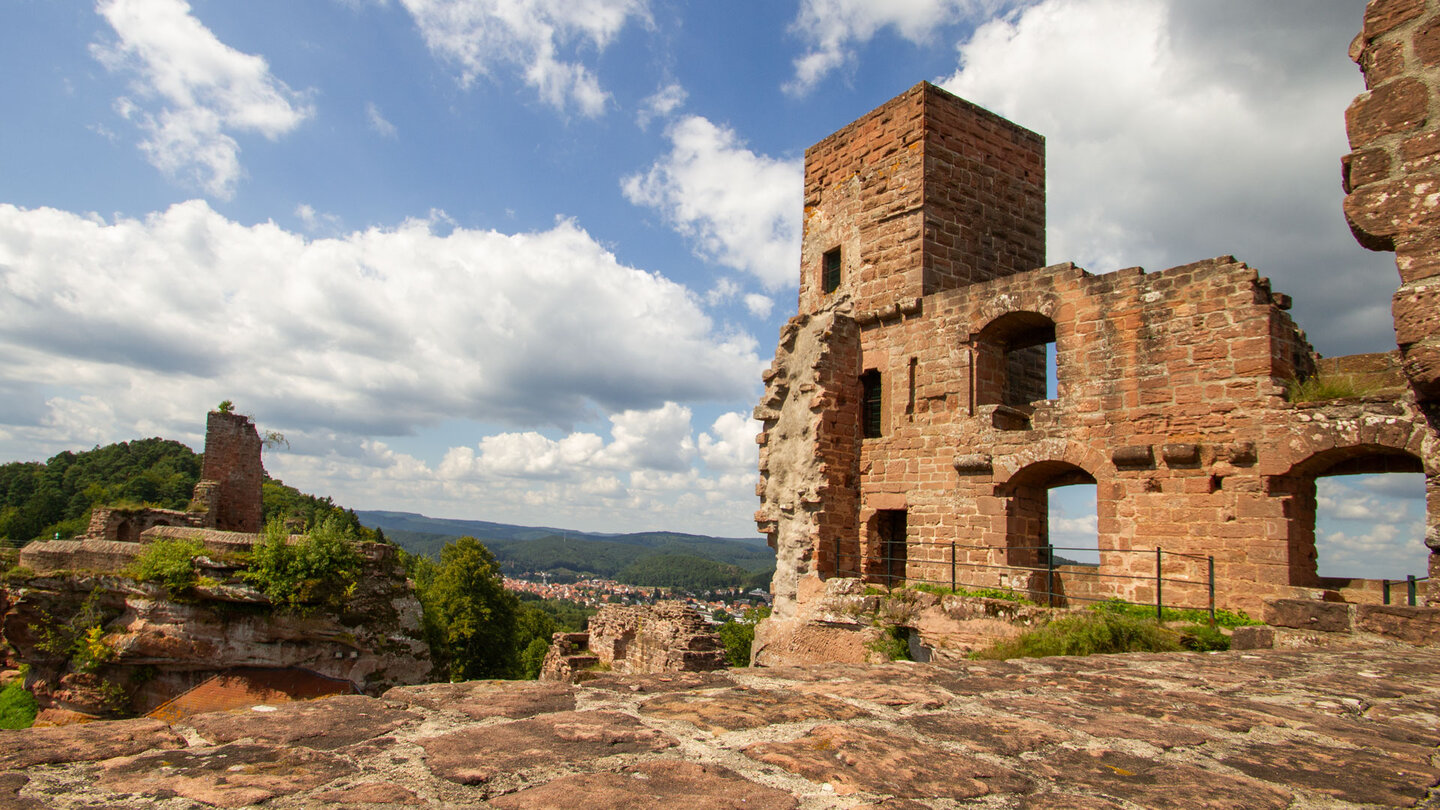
1370 526
1038 525
888 544
1358 514
1016 360
1074 528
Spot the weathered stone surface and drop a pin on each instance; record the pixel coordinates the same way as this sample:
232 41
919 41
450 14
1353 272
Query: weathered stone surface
1160 784
663 783
1397 106
10 798
481 699
1254 637
1005 736
323 724
658 684
1326 617
1381 16
235 775
370 793
1350 774
1176 730
853 758
748 708
84 742
479 754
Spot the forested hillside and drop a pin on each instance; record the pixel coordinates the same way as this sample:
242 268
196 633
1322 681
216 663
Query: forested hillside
41 500
670 559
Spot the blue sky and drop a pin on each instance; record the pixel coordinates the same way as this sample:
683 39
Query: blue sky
523 260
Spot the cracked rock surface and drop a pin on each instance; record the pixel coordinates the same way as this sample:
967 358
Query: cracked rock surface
1268 729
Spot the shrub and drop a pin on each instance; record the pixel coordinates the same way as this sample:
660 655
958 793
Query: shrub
1088 633
738 634
170 563
322 568
1203 638
17 707
894 645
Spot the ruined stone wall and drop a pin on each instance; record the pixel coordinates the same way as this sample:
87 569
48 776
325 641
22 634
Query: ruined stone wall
1171 392
232 458
1391 177
1393 170
126 525
664 637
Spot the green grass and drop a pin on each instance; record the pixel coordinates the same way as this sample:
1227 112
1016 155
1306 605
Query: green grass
984 593
1321 389
17 707
1091 633
1223 618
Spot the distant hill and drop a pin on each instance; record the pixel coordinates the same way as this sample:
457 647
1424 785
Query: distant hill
692 561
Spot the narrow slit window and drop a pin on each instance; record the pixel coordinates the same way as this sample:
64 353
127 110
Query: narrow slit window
872 397
830 275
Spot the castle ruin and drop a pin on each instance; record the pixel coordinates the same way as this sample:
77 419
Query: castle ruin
908 431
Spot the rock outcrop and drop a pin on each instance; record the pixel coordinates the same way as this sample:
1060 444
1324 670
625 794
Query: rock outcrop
100 643
1267 729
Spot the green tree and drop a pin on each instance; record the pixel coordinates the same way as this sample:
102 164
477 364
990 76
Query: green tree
472 617
738 634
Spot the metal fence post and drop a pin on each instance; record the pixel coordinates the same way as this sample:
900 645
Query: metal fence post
1050 576
1158 585
1384 591
952 566
1410 589
1212 590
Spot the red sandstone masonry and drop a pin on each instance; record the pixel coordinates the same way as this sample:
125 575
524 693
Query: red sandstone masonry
232 458
1171 391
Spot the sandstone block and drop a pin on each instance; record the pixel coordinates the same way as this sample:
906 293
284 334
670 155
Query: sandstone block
1422 368
1417 625
1417 312
1303 614
1253 637
1383 16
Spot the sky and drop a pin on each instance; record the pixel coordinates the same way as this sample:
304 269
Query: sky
524 260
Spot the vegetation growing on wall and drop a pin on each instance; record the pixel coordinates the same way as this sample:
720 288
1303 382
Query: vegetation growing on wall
321 569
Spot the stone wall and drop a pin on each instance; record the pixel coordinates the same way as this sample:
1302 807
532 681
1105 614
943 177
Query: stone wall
232 459
665 637
1172 392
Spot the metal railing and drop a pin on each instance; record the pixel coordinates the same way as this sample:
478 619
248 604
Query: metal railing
1187 581
1411 594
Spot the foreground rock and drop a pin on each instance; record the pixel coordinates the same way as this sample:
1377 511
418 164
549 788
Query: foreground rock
1266 729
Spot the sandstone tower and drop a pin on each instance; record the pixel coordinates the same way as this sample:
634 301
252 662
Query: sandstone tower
233 474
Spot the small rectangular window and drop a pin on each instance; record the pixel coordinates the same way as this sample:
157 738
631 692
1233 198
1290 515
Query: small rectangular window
831 271
871 400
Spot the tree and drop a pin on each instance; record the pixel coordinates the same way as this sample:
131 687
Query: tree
472 617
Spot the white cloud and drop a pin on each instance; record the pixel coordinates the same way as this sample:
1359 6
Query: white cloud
193 92
475 35
643 477
662 104
759 305
1178 130
740 209
379 332
832 28
378 122
725 289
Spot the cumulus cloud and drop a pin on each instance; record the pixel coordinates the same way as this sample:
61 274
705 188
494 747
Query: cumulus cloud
378 332
661 105
192 92
739 209
642 476
759 305
1181 130
476 35
1371 525
833 28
